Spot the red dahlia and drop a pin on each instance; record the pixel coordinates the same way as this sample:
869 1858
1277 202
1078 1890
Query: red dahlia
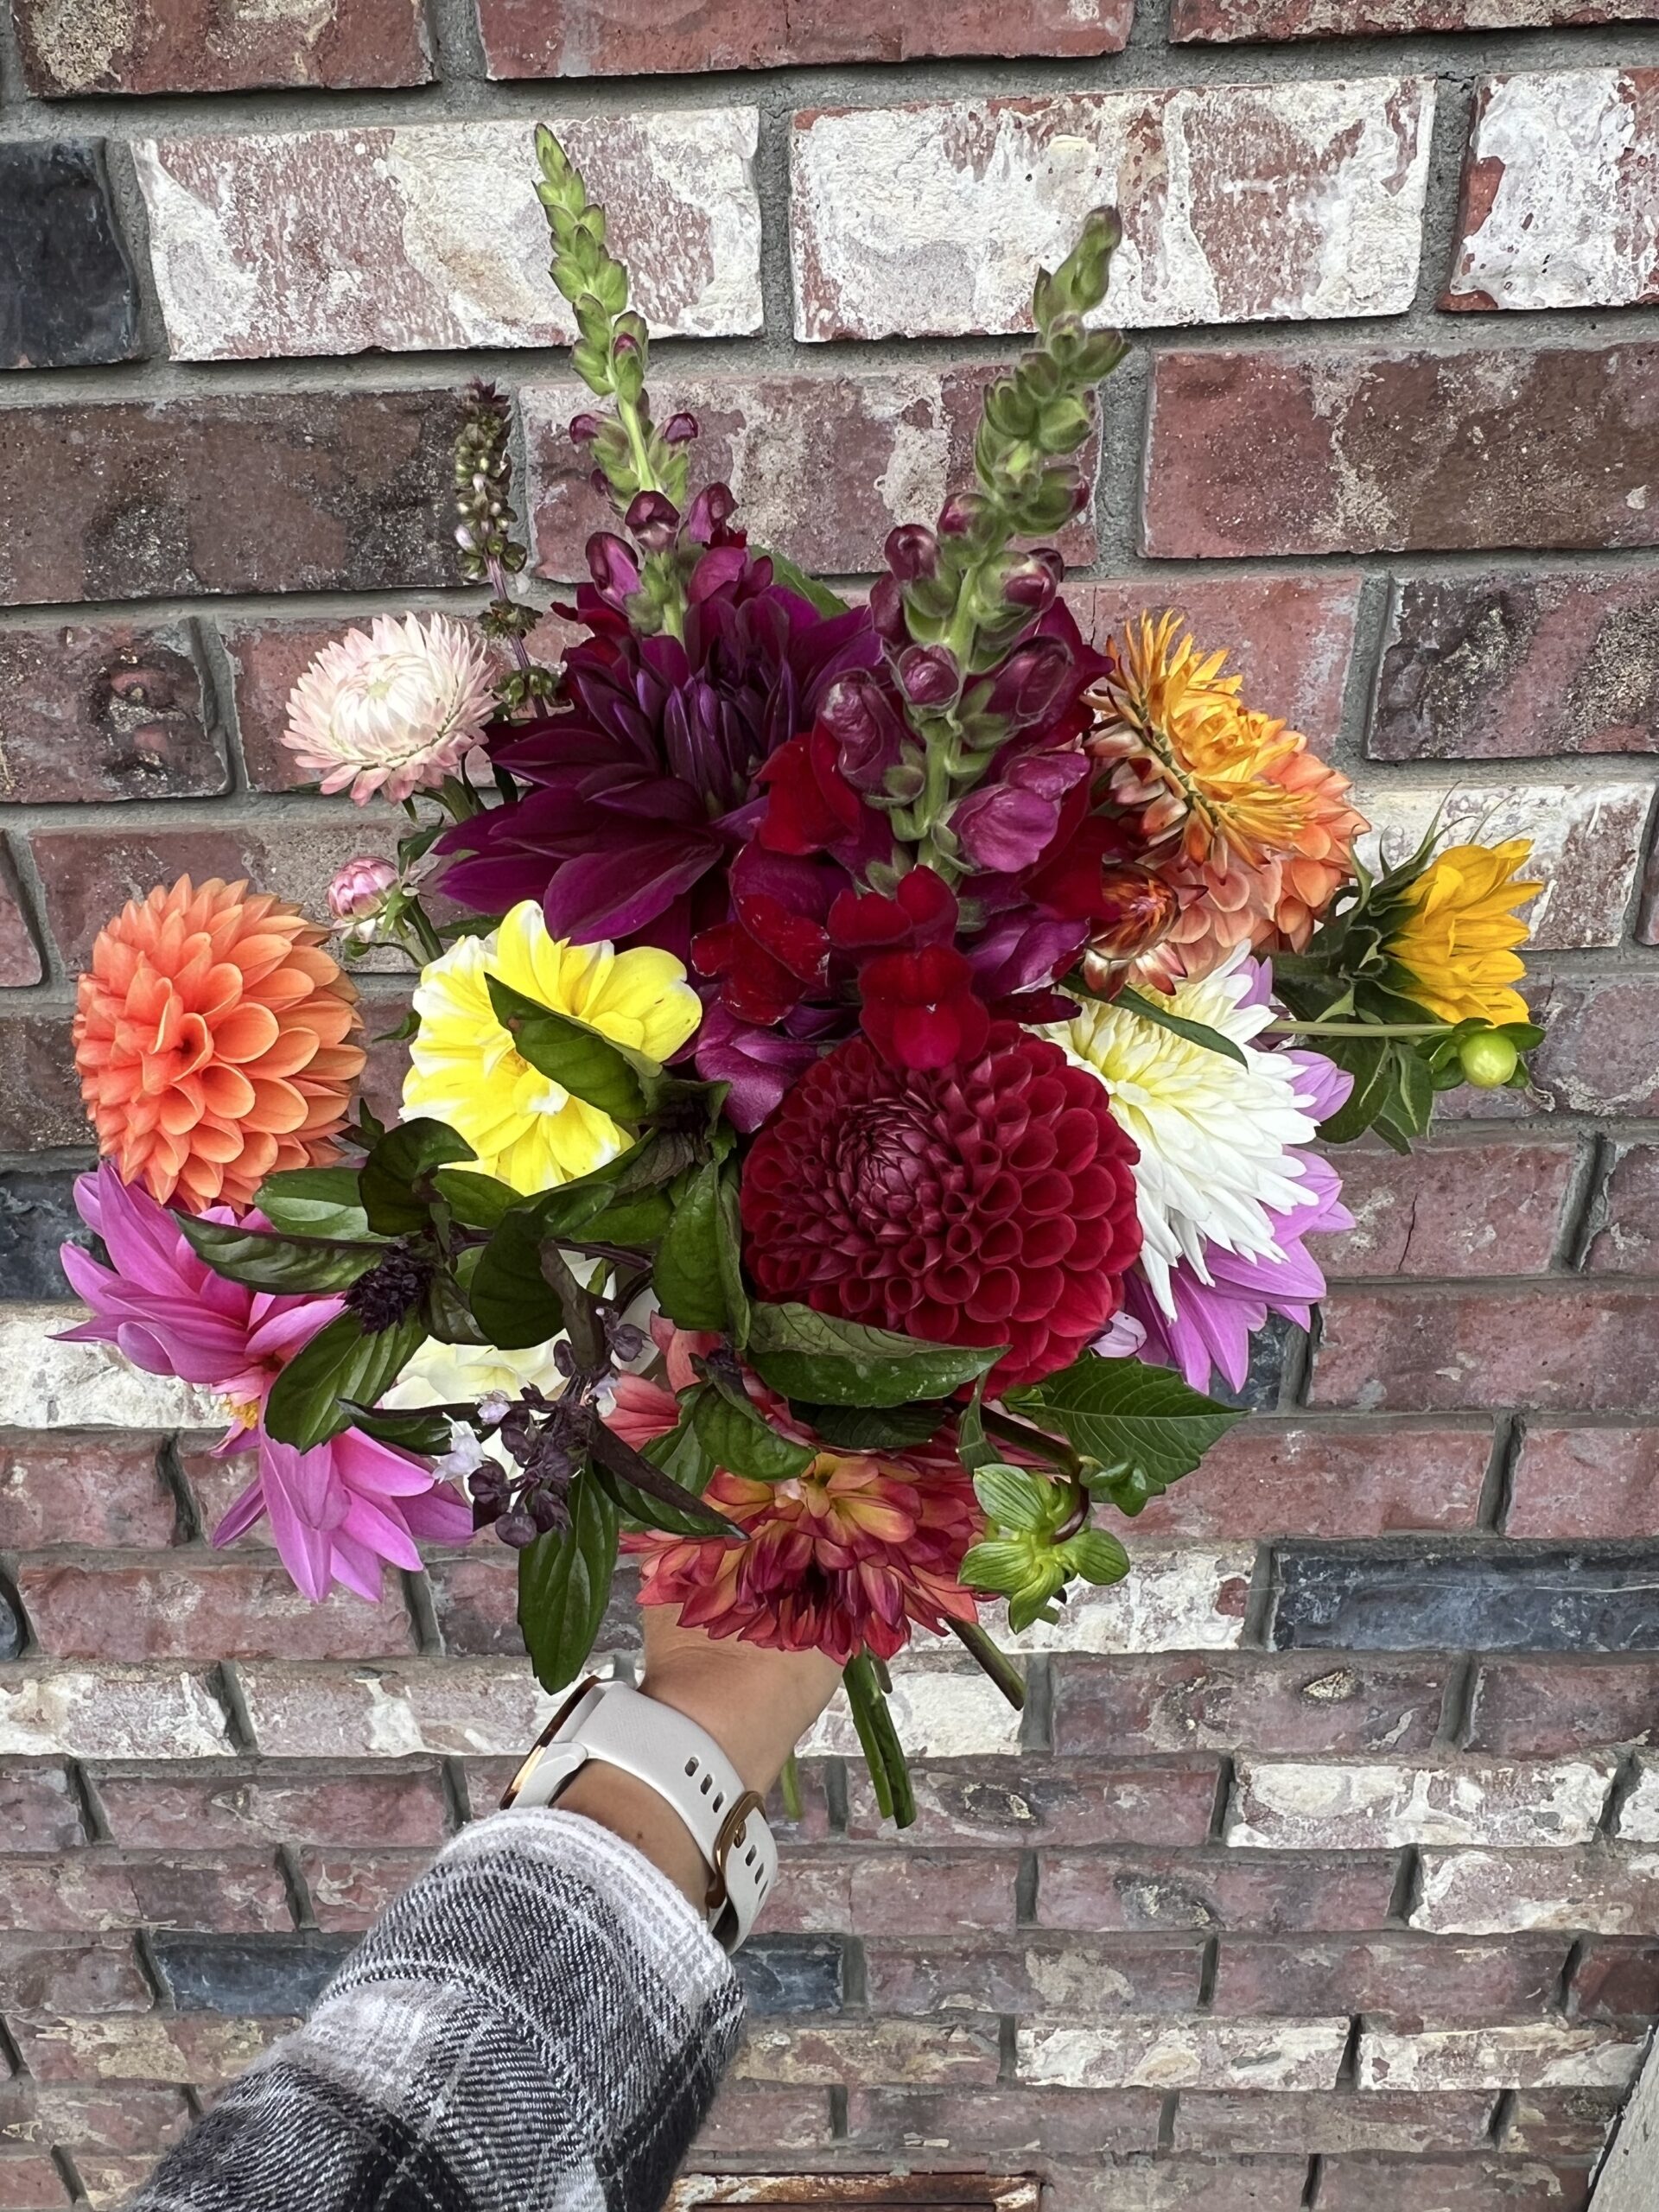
989 1202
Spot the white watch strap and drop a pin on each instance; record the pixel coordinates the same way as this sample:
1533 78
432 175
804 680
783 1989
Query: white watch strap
684 1765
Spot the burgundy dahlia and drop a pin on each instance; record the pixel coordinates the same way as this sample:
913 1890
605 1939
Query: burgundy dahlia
988 1202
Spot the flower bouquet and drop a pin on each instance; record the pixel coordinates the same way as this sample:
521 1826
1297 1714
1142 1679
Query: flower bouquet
864 1073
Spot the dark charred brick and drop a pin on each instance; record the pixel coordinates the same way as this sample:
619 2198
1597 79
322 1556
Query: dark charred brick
1541 1598
67 295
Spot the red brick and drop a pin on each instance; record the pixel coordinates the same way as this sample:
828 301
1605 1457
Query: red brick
623 38
1269 19
39 1094
1587 1482
992 187
168 1808
813 1895
1318 2122
766 2120
1563 2124
920 1892
199 2048
90 874
879 447
411 1707
1043 1976
1035 1801
313 491
1600 1053
1425 1349
1492 1209
1404 1979
475 1598
107 711
1556 208
1617 1981
1178 2185
38 1809
1546 1707
350 1889
29 2183
1307 1480
1290 636
96 1889
1598 1890
398 268
1508 667
192 46
1302 452
40 1977
95 1489
1213 1889
1056 2123
1626 1241
20 957
215 1483
1232 1702
202 1610
1472 2186
121 2121
110 2181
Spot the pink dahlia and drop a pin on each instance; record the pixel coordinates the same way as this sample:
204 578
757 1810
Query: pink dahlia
988 1202
336 1511
393 709
848 1557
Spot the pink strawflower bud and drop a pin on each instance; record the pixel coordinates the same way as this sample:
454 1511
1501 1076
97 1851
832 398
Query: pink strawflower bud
357 896
394 708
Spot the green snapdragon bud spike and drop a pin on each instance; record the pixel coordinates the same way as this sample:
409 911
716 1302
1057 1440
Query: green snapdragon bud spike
490 552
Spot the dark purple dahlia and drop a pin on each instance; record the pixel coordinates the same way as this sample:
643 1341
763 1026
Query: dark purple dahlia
643 785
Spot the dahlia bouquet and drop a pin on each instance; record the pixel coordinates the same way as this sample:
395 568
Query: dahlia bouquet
871 1065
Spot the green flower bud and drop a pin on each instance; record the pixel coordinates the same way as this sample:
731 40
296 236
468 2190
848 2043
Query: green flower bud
1487 1059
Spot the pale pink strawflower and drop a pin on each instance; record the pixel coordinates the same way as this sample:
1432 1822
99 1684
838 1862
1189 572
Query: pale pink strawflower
357 896
394 708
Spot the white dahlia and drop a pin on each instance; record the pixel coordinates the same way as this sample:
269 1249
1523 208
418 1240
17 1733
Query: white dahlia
466 1374
393 709
1216 1141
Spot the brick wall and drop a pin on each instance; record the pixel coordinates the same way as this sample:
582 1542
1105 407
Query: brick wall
1329 1873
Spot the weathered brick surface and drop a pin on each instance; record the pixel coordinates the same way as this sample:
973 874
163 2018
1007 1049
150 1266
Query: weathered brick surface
1064 1977
20 957
1032 1800
30 2183
1464 2185
1544 1707
1360 1479
1316 2124
400 259
67 293
116 2122
1561 2123
1277 2055
1288 1806
1167 1890
1299 452
167 1808
1587 1482
1548 2055
203 1611
1501 666
1059 2123
1617 1981
1557 201
1232 1703
188 46
270 492
1626 1239
113 1712
350 1888
99 1490
1403 1978
1601 1053
106 710
1424 1350
744 2121
1270 19
38 1810
1238 203
616 38
877 448
1187 1598
1451 1210
827 2051
1602 1891
98 1888
40 1976
1496 1599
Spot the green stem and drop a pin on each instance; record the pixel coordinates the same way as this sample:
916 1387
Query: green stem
1358 1028
1000 1668
1052 1448
426 937
885 1754
789 1787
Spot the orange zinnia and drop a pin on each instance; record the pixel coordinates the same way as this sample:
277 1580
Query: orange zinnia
210 1037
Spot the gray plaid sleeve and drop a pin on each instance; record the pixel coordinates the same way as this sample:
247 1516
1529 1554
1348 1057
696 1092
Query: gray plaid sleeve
541 2020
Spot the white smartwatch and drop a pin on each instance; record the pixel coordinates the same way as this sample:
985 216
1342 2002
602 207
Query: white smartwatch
684 1765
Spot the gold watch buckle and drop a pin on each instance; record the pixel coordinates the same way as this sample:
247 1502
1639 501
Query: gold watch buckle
730 1829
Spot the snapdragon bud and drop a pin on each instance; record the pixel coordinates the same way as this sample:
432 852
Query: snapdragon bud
654 520
912 550
679 429
929 675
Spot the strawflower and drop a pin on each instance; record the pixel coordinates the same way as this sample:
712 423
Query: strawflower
1216 1143
848 1557
1454 945
392 709
466 1070
357 896
213 1041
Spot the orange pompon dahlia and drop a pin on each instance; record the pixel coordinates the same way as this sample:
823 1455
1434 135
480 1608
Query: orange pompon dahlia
213 1041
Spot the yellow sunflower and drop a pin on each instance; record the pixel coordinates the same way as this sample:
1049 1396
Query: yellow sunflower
1456 936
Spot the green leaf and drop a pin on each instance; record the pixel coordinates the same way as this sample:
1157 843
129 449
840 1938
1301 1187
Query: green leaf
738 1304
1096 1556
642 1478
511 1299
973 1448
590 1066
808 1355
1124 1415
411 1430
1415 1089
804 587
447 1314
739 1438
313 1201
861 1428
1196 1032
476 1201
633 1223
687 1276
397 1177
564 1585
267 1261
343 1364
1367 1060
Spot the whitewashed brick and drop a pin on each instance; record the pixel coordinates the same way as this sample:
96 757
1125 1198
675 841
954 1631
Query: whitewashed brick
430 235
1602 1892
47 1384
1239 203
940 1713
1638 1816
118 1713
1587 844
1159 2054
1321 1805
449 1706
1176 1598
1558 193
1530 2055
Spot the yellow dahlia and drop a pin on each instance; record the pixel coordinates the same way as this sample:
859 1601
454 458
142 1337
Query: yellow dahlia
1455 941
465 1068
